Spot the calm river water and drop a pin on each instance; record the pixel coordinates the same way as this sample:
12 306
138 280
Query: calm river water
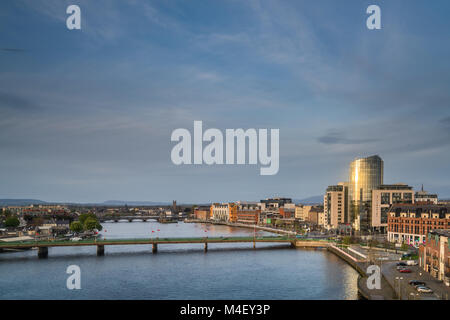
226 271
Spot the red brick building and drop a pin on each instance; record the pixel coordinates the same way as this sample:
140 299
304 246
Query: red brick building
248 216
202 213
411 223
434 255
287 213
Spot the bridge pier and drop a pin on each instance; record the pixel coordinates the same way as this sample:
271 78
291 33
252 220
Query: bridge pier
145 220
100 250
206 247
130 220
42 252
155 248
116 220
254 244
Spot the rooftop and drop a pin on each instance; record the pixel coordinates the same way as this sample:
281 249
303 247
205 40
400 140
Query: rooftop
396 186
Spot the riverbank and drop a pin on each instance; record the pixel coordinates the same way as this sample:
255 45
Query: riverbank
242 225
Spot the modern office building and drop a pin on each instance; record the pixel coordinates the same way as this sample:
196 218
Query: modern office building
274 203
411 223
335 203
383 197
365 175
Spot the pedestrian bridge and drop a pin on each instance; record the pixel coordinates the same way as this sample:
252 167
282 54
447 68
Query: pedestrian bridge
101 243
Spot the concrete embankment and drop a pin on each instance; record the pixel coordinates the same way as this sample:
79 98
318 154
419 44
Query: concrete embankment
357 261
351 260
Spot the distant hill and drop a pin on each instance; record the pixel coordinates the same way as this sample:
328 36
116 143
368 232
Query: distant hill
20 202
310 200
27 202
134 203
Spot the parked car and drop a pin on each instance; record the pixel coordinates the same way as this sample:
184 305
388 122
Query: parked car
405 270
75 239
415 283
412 263
403 264
424 289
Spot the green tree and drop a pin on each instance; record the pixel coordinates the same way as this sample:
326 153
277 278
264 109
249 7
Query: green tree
84 216
76 226
12 222
90 224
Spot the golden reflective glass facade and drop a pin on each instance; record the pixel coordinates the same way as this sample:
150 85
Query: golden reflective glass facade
366 174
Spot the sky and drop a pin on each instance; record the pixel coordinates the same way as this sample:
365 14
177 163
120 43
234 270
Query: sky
87 115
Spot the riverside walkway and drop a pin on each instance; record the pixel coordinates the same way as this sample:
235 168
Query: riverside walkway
43 245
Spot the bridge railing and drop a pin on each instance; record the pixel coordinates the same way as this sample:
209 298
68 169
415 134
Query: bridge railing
147 239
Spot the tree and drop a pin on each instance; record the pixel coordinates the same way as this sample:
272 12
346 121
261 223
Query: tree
84 216
90 224
76 226
12 222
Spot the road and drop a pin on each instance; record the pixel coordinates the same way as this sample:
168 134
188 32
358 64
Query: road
400 281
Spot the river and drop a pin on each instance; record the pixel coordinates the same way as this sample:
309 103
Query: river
178 271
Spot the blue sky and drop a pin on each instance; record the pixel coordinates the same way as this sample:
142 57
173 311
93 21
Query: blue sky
87 115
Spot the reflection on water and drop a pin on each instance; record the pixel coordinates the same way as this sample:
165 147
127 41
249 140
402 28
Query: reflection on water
227 271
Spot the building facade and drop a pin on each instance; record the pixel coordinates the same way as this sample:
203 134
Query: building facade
316 216
425 197
434 255
299 212
411 223
275 203
383 197
202 213
365 174
335 205
224 212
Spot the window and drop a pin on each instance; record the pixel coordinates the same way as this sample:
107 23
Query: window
396 197
407 197
385 198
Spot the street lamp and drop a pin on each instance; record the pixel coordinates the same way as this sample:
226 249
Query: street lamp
398 279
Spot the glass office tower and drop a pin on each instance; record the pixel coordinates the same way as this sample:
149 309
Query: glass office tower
365 175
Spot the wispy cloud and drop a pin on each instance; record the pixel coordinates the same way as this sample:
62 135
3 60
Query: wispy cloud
338 137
